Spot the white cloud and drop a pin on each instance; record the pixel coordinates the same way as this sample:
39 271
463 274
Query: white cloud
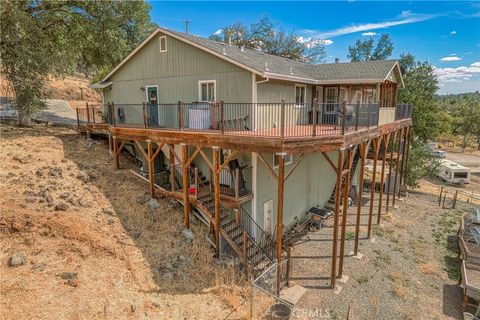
451 58
310 42
406 17
455 75
218 32
453 32
369 34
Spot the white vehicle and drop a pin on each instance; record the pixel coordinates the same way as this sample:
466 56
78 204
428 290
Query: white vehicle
453 172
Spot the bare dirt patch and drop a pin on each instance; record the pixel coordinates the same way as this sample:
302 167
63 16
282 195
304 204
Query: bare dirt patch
92 251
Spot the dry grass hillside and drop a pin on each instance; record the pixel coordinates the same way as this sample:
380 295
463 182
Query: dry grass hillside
85 245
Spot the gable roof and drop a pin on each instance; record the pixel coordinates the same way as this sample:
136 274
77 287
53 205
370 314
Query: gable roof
275 67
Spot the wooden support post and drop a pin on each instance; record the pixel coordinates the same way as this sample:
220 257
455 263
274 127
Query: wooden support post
363 154
280 185
282 119
382 177
88 113
346 192
440 196
390 165
409 139
186 199
237 183
454 204
171 157
376 147
395 183
402 162
237 216
151 177
314 117
216 185
335 218
116 153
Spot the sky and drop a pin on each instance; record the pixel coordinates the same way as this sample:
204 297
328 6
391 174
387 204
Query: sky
444 33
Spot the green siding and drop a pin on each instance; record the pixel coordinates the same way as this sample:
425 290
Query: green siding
177 72
311 184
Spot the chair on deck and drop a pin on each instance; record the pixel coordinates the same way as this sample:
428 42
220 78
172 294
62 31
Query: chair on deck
234 165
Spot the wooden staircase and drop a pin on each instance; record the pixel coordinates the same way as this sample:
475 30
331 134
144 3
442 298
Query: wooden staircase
353 194
258 253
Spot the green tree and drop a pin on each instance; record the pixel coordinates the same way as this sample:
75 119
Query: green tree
366 50
268 37
420 88
44 38
467 119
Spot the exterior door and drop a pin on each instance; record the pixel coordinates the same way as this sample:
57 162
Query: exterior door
331 107
267 216
152 98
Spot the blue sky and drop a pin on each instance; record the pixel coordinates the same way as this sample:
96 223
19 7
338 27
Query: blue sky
445 33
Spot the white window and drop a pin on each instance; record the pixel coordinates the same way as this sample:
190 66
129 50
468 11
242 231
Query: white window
300 95
288 160
163 44
207 90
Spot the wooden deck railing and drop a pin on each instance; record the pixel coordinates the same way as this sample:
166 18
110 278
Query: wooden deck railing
271 120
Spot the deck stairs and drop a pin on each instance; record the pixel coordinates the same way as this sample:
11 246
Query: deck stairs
236 228
353 193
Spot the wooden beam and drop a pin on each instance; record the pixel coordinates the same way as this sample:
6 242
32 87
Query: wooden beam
376 148
204 156
346 192
232 155
396 168
402 162
151 177
363 155
270 169
295 165
335 219
192 157
115 153
385 139
172 149
280 185
330 162
216 178
142 150
171 158
390 165
159 149
186 202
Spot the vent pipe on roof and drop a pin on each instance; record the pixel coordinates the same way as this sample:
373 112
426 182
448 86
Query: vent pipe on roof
266 65
186 25
337 60
229 40
291 70
224 52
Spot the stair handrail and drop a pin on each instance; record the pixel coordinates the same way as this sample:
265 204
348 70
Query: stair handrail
262 240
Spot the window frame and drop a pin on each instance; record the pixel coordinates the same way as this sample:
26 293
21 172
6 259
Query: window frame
160 43
287 162
200 82
302 104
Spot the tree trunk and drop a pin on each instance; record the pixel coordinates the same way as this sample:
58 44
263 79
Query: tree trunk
24 119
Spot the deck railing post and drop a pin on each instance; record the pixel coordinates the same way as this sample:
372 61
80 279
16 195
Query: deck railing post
180 114
357 114
369 115
237 215
144 110
88 113
113 114
222 117
344 116
314 117
282 120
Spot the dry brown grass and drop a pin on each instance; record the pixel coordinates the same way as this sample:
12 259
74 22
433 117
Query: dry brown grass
120 249
430 268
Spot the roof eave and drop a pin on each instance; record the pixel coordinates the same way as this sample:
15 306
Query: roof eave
278 76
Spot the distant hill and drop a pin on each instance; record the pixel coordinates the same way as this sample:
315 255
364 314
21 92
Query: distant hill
450 102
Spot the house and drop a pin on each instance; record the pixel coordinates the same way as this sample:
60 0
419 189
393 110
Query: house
253 141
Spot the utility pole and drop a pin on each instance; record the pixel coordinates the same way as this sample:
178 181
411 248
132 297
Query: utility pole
186 25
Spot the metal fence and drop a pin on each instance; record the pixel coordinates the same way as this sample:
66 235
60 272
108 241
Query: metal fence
274 120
